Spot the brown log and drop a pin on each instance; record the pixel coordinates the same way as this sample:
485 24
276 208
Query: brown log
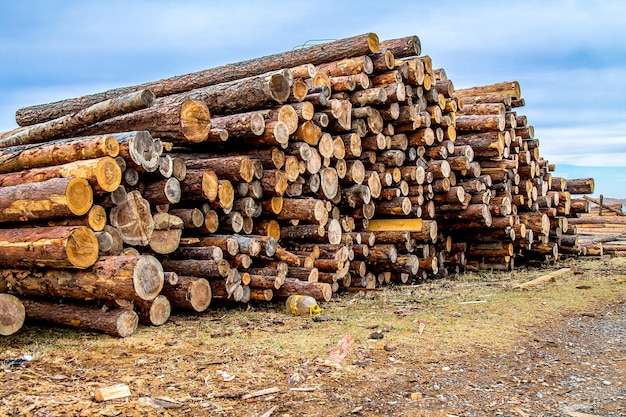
12 314
57 152
319 290
110 278
403 47
187 121
234 168
190 293
116 322
165 191
382 253
486 98
199 252
307 210
200 185
102 173
52 247
241 125
227 244
54 198
508 87
480 123
67 124
192 218
155 312
358 45
347 66
537 222
198 268
259 294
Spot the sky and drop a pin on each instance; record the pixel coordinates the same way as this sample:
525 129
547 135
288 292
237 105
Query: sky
568 56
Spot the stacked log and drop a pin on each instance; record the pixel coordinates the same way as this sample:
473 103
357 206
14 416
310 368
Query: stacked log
338 167
599 226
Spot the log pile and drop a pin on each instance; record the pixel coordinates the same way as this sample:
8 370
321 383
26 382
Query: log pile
338 167
600 228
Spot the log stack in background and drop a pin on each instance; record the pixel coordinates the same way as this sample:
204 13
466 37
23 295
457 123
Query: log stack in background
337 167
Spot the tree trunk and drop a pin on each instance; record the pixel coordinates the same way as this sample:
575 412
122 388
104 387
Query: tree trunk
317 54
402 47
321 291
190 293
54 198
155 312
198 268
116 322
187 121
66 125
58 152
103 174
110 278
50 247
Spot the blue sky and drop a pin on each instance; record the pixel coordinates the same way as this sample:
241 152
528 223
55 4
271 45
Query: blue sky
569 56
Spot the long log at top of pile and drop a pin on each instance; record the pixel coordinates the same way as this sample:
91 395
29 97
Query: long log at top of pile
317 54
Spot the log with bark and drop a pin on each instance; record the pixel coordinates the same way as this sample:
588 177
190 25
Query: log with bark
117 322
357 45
110 278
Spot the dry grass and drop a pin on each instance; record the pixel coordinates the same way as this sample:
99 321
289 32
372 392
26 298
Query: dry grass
260 345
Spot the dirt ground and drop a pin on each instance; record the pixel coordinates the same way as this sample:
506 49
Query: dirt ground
471 345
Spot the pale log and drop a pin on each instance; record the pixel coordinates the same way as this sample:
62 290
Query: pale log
12 314
110 278
543 279
116 322
357 45
139 150
66 125
54 198
133 219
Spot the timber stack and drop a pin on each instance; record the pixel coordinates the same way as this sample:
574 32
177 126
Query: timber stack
337 167
600 228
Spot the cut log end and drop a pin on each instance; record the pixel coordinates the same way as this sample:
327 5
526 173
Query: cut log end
195 121
82 247
279 87
12 314
148 278
79 195
127 323
373 42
